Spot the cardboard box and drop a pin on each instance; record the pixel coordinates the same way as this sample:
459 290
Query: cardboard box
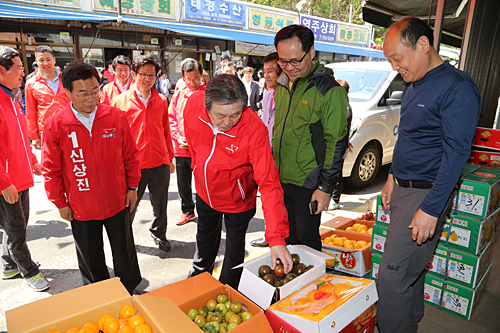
453 297
74 307
336 222
485 158
458 266
376 258
337 320
383 216
262 293
469 168
379 235
355 262
194 292
467 233
478 195
487 138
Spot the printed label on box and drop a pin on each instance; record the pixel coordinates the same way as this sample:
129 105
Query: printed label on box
378 242
455 303
460 271
471 203
375 267
432 294
462 238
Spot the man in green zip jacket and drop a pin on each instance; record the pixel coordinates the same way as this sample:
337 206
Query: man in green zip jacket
309 125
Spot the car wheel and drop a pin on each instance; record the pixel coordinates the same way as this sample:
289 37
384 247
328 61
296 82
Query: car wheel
366 167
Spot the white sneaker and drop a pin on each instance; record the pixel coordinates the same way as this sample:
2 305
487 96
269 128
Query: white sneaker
38 282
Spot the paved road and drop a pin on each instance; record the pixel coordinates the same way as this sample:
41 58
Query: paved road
51 243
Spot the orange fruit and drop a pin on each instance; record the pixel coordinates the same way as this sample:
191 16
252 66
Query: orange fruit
91 325
54 331
310 296
126 312
144 328
126 329
341 288
110 325
135 321
122 323
103 318
87 330
72 330
301 301
324 287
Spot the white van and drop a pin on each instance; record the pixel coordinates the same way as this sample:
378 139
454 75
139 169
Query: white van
375 97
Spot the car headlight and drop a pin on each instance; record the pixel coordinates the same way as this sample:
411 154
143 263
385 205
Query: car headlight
355 123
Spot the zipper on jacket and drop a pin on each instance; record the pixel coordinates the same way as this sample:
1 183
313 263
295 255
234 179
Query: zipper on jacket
23 139
284 123
205 169
241 190
7 165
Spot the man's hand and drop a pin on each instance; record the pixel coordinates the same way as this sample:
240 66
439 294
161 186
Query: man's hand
387 192
423 225
10 194
323 200
182 142
37 169
131 200
281 251
66 213
36 143
172 167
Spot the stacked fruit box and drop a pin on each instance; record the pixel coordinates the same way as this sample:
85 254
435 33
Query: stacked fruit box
459 269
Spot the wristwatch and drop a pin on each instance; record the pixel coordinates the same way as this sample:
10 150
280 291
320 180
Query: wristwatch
133 189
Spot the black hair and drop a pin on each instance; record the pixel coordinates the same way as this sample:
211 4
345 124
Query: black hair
109 62
411 29
225 89
189 65
122 60
272 57
43 49
225 56
239 68
304 34
78 70
143 60
6 56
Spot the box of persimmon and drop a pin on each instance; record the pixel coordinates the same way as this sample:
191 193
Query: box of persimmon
349 251
264 286
330 303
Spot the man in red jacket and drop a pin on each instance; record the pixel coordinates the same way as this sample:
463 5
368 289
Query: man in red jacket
44 94
147 113
91 170
121 65
17 163
191 74
231 155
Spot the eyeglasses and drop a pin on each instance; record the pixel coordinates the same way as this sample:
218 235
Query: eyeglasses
19 68
93 94
144 75
294 62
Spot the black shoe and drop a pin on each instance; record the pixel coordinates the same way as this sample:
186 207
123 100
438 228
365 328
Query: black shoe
259 242
164 245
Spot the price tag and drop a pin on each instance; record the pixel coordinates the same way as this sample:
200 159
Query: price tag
459 271
455 303
471 203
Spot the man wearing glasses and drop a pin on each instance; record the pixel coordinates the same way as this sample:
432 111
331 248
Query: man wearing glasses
147 114
309 124
91 168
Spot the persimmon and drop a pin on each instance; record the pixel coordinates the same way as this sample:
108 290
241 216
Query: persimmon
110 325
86 330
144 328
91 325
103 318
126 312
135 321
126 329
72 330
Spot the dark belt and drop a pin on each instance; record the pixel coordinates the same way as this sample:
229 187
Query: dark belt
413 183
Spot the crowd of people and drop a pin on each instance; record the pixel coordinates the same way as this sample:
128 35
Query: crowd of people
283 137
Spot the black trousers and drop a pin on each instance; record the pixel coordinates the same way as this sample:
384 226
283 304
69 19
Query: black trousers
303 227
208 237
14 220
90 249
184 177
157 180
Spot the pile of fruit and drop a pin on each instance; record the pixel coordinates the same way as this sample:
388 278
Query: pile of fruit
219 315
277 277
345 242
128 322
369 216
361 228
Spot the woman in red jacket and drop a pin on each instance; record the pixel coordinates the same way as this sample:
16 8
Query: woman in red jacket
231 156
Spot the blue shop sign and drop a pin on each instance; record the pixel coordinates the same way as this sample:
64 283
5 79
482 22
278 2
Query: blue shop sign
216 11
322 29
